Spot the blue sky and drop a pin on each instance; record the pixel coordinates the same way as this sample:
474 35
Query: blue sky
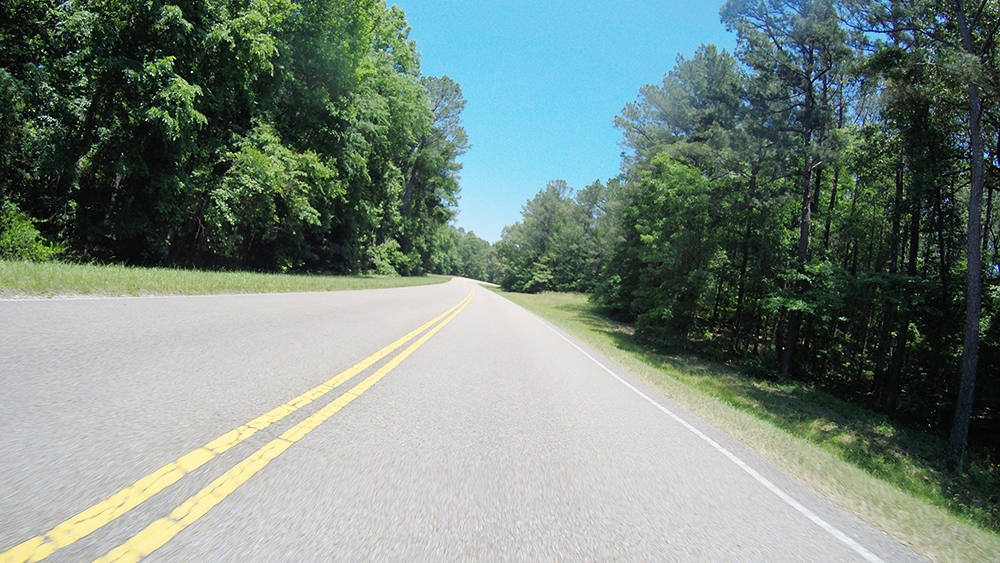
543 81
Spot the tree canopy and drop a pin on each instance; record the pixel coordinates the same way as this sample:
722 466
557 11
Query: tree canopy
264 135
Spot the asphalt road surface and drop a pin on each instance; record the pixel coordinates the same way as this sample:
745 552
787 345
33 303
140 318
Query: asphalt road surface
233 428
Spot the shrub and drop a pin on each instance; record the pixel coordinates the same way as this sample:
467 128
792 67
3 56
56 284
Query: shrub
20 240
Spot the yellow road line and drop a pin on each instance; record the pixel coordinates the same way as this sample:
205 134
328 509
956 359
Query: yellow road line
102 513
163 530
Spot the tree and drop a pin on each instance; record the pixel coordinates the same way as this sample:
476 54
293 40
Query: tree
265 135
987 23
461 253
561 242
431 193
795 46
661 271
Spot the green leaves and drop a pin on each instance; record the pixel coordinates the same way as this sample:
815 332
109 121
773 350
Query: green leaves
257 134
20 240
560 244
266 204
171 98
660 272
806 201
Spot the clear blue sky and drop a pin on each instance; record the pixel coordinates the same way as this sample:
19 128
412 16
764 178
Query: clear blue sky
544 80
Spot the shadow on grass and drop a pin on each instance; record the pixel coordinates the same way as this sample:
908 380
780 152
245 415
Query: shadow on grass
907 458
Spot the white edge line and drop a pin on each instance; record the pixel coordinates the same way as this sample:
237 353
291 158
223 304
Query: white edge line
812 516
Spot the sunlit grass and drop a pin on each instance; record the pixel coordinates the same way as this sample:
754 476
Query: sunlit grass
52 279
884 473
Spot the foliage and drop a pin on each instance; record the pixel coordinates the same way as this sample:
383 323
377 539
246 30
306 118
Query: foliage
460 253
801 206
561 242
667 248
20 240
265 135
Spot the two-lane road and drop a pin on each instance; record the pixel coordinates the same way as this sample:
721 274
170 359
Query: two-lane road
435 423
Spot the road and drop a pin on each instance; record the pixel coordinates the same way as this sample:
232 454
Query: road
493 437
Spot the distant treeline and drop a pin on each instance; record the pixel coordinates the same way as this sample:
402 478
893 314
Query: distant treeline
264 135
812 205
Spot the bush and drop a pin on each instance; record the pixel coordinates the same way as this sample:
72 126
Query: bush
20 240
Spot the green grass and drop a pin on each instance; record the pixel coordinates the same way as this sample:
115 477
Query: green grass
53 279
884 473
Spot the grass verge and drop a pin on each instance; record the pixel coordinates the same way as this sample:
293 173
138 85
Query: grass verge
882 473
56 279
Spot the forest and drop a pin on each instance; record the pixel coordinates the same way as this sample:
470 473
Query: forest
817 206
263 135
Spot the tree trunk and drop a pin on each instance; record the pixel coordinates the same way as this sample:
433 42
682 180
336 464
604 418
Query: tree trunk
851 243
879 382
987 219
795 317
890 393
974 282
806 210
829 212
836 177
741 293
814 201
713 323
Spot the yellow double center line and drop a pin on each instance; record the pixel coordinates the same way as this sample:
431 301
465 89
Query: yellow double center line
161 531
